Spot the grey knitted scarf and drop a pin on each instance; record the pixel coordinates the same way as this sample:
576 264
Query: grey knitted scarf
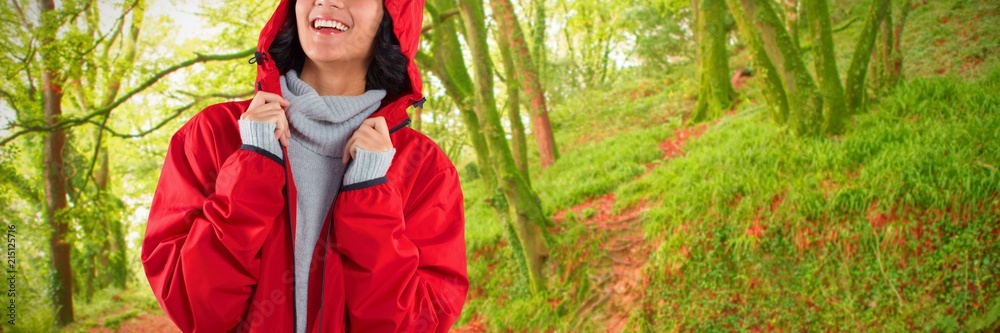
320 128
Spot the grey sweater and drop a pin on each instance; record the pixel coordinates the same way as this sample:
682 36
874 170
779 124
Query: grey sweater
320 128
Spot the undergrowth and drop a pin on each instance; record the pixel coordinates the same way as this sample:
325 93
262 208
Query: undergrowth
892 226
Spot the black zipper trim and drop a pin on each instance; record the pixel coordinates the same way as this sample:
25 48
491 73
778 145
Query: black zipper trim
420 103
400 126
364 184
264 152
322 277
288 204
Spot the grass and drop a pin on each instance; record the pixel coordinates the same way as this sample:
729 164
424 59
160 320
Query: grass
952 37
599 167
111 307
890 227
611 144
108 308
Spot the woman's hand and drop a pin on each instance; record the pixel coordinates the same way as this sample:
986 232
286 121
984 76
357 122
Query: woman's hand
269 108
373 136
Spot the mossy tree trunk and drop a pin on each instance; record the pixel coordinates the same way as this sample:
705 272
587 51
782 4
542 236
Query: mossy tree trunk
855 84
810 110
538 36
528 218
774 92
792 19
527 76
803 100
517 135
449 66
715 92
887 64
834 105
896 69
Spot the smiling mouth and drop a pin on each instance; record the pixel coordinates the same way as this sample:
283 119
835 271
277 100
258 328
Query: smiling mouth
321 24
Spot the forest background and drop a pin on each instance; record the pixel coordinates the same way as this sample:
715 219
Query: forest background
641 166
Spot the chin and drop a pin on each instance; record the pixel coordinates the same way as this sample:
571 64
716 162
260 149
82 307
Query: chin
332 60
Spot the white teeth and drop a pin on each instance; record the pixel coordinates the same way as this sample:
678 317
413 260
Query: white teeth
329 24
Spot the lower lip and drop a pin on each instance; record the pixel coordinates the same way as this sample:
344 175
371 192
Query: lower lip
328 31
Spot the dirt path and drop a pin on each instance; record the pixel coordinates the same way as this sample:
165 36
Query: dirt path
619 270
144 323
148 323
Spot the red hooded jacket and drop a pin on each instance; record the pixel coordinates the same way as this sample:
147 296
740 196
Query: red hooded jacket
218 250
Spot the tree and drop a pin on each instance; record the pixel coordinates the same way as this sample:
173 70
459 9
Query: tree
68 74
757 17
526 75
715 92
662 31
887 65
525 207
834 107
855 83
513 105
448 64
792 20
105 254
55 178
789 88
538 25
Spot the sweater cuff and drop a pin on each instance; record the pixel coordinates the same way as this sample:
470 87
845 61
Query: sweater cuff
368 166
260 135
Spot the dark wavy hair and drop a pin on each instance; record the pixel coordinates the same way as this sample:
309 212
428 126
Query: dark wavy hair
387 69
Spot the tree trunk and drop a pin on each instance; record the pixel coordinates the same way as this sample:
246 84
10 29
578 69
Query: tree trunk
527 76
417 115
112 258
517 134
896 71
834 106
881 56
792 19
529 219
96 276
855 84
804 103
715 92
55 182
774 91
449 66
538 36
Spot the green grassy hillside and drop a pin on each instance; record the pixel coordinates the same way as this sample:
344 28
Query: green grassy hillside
736 224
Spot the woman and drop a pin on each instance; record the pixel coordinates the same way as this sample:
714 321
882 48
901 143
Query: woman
312 207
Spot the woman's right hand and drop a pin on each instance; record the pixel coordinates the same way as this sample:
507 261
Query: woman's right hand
269 108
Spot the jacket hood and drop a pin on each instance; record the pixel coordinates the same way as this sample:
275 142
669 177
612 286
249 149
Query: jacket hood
407 18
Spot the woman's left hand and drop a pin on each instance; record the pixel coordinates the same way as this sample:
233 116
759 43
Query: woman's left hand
373 136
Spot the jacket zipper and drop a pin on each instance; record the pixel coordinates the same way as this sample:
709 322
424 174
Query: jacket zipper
291 222
326 252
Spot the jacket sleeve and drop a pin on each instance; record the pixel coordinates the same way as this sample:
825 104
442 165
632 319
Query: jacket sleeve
405 267
207 224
